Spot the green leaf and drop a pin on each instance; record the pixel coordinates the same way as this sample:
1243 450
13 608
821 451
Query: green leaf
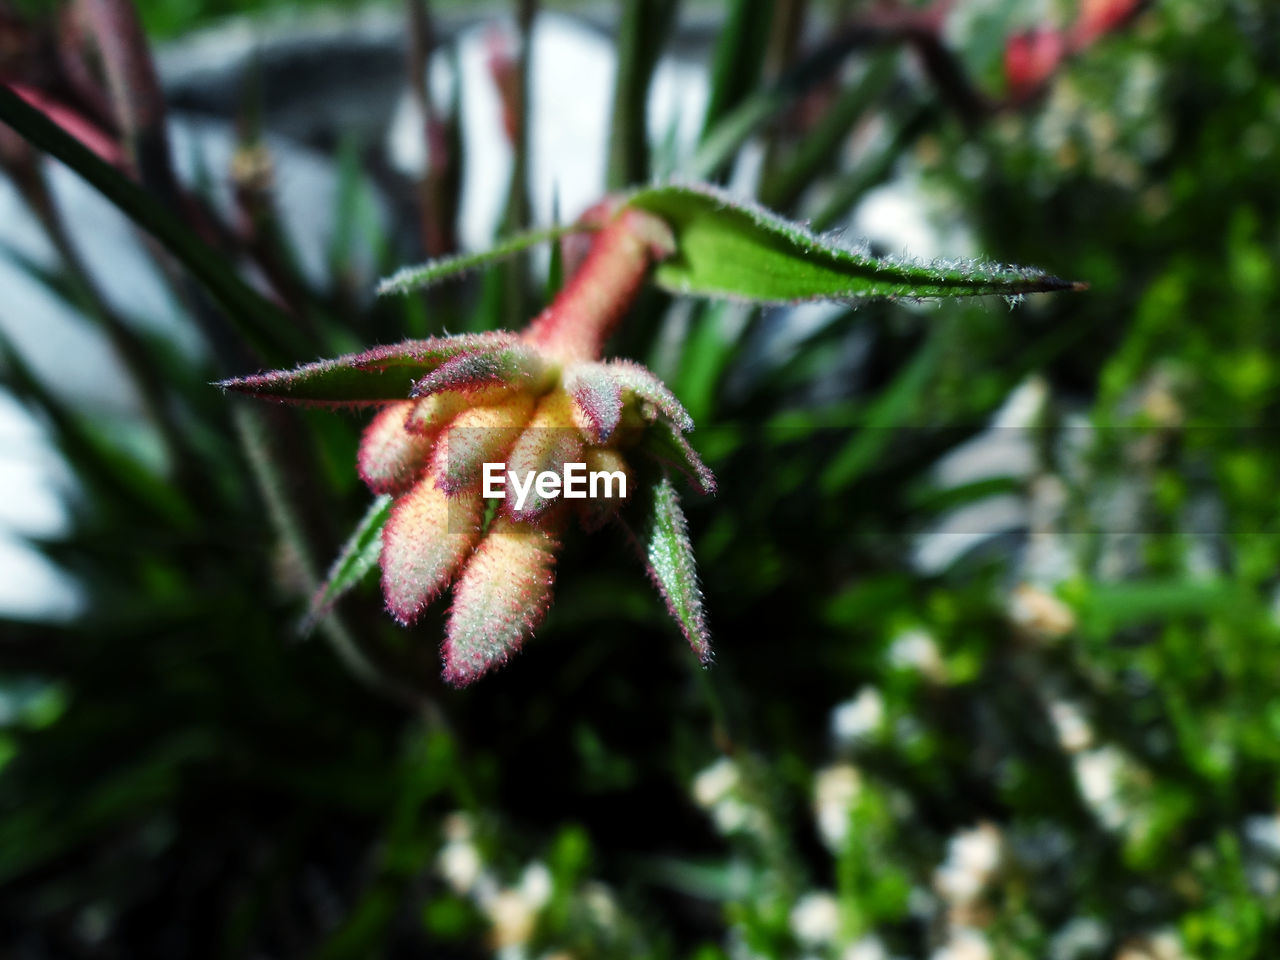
721 142
669 557
821 147
891 409
726 248
739 57
359 555
642 28
555 264
719 145
115 477
514 365
909 124
374 376
433 271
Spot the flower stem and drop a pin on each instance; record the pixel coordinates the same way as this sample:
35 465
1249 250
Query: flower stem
577 323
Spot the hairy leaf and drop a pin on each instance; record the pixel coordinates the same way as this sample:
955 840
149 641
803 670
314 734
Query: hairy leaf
478 435
359 555
390 455
669 557
514 365
597 400
741 251
638 382
374 376
665 444
546 444
500 598
430 273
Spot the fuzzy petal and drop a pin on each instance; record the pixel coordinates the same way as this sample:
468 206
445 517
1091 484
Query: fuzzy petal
667 445
636 381
499 600
430 414
595 512
510 365
549 441
425 541
390 457
597 399
477 436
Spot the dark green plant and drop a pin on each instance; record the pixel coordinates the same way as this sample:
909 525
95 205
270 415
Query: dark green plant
1060 744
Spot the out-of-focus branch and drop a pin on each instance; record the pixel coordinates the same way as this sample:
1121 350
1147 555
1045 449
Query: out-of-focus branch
438 184
513 78
140 110
135 92
1034 57
789 17
23 166
517 113
260 231
256 319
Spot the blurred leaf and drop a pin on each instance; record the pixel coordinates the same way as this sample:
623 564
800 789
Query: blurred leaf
843 195
118 479
739 57
1112 606
723 141
643 29
555 264
259 321
821 146
891 409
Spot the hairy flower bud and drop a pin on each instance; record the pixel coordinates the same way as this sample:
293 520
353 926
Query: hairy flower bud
538 416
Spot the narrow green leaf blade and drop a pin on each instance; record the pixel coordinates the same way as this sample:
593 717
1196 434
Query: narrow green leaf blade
821 147
116 478
722 141
433 271
374 376
358 556
642 28
669 557
739 57
893 407
726 248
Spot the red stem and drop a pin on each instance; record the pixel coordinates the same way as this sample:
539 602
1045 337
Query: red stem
577 323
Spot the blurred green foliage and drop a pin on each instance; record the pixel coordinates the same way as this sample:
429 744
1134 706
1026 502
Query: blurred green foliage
1064 742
